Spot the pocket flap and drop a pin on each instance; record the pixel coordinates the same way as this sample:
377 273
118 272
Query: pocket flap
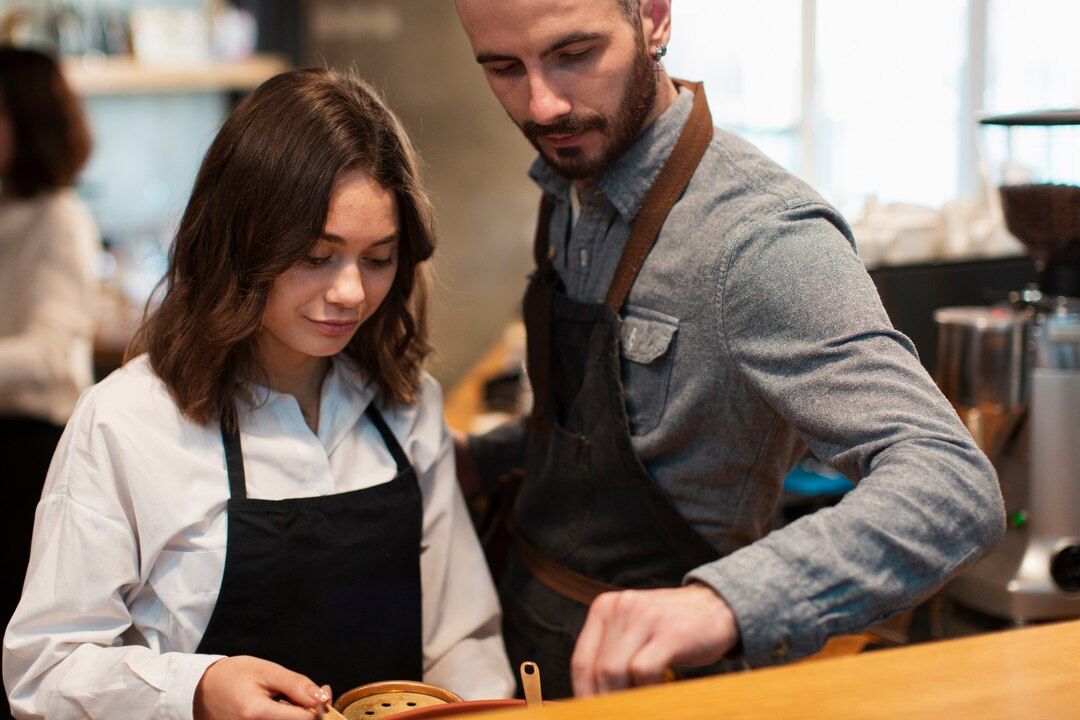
644 340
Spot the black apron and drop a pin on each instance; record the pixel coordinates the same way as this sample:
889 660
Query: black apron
587 507
326 586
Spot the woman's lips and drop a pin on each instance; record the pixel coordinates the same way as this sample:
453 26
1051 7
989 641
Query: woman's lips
335 328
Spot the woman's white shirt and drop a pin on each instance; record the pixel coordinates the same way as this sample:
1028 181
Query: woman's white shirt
130 540
48 294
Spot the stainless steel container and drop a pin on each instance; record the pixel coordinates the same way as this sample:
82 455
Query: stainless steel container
982 368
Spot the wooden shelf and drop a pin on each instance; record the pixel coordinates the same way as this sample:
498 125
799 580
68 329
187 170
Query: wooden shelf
125 75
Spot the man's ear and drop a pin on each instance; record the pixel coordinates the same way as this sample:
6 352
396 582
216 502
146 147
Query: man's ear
656 23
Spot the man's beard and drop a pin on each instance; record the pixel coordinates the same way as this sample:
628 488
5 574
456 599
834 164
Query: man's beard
618 132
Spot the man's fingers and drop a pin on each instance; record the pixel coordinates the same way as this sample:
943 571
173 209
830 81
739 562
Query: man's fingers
299 689
630 637
583 662
650 663
626 634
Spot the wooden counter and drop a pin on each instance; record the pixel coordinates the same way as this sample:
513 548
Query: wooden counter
1029 673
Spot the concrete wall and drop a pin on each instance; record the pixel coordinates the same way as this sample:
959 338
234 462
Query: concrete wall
476 160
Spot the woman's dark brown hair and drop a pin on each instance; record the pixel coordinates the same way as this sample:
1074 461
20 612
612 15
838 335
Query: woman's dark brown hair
52 139
259 203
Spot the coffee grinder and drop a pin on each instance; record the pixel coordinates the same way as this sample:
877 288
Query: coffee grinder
1012 371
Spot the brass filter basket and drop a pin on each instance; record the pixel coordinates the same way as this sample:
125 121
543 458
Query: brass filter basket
407 700
384 699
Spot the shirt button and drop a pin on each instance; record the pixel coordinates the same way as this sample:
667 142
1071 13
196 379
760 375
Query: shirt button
583 256
781 649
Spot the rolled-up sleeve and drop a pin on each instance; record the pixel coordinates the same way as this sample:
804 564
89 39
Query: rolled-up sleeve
805 329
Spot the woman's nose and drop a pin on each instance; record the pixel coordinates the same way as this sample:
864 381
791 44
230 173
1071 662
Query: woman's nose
347 288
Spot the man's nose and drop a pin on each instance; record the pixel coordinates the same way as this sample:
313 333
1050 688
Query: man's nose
347 288
546 103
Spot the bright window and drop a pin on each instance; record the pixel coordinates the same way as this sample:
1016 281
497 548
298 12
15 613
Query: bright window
877 97
889 90
1033 61
748 55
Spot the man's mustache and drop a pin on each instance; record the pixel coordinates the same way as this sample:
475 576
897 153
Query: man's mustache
568 126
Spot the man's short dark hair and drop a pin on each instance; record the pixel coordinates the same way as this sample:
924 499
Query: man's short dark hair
632 10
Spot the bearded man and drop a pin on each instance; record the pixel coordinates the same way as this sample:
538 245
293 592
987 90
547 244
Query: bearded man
697 319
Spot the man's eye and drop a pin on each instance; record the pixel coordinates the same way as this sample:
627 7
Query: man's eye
504 69
577 54
312 261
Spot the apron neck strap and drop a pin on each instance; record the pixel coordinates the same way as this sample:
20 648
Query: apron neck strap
669 185
391 442
234 463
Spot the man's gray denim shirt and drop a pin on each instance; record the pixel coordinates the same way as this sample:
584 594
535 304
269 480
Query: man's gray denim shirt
752 332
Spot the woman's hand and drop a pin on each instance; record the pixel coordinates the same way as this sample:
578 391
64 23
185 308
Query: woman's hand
246 688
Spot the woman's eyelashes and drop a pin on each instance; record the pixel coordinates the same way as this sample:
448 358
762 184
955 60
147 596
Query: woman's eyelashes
315 261
382 262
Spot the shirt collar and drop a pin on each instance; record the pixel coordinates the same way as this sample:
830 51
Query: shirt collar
344 398
627 180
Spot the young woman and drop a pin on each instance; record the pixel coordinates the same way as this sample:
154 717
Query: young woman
264 501
47 286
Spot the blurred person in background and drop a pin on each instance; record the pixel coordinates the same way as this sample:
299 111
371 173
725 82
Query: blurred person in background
47 285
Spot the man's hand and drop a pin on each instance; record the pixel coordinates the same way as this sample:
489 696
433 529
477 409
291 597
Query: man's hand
630 638
245 688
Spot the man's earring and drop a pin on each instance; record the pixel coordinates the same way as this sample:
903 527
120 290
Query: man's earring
660 53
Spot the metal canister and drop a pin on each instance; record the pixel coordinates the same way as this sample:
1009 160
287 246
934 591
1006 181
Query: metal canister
982 368
1057 335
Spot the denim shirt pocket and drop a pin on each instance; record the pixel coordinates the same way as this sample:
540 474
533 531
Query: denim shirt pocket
645 343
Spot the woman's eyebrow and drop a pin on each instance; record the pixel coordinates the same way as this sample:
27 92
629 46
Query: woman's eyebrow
386 240
330 237
338 240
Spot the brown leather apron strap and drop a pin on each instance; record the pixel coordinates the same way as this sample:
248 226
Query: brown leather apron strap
669 185
562 580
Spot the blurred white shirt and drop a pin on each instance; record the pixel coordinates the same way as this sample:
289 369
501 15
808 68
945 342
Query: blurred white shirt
48 294
130 540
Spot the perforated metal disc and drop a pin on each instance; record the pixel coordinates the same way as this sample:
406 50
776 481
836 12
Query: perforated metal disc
384 699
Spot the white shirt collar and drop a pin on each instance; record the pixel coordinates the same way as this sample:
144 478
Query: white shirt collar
344 397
